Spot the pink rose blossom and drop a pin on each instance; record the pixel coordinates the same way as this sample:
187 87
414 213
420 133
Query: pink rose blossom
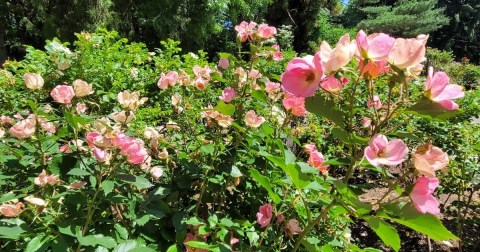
63 94
132 148
428 159
227 94
294 104
6 120
408 53
264 215
95 139
277 55
156 172
272 87
167 80
292 227
438 89
253 120
81 108
382 152
316 160
224 121
82 88
375 46
265 32
338 57
421 195
309 148
100 154
376 103
24 128
303 75
223 63
367 122
280 218
43 179
245 30
331 84
11 210
373 69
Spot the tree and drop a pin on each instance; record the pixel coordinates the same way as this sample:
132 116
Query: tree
405 18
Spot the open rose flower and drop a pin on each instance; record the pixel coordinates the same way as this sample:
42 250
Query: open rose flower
33 81
82 88
375 46
382 152
373 69
292 227
167 80
338 57
43 179
11 210
35 201
303 75
130 101
408 53
438 90
265 31
264 215
421 195
253 120
376 103
294 104
277 55
245 30
331 84
428 159
63 94
24 128
228 94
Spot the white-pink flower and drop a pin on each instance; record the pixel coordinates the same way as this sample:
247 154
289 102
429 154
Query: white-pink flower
438 90
428 159
228 94
382 152
167 80
253 120
63 94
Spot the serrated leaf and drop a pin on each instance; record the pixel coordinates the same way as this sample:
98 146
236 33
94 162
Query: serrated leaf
260 95
98 239
36 244
226 109
324 107
107 186
385 231
126 246
78 172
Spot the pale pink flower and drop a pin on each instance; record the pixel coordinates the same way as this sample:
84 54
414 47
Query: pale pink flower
166 80
254 74
203 72
245 30
303 75
277 55
428 159
6 120
150 133
366 122
35 201
338 57
123 117
63 94
130 101
253 120
294 104
309 148
24 128
331 84
156 172
223 63
408 53
373 69
264 215
421 195
81 108
376 103
228 94
265 32
11 210
82 88
316 160
292 227
375 46
77 185
438 90
65 148
280 218
33 81
272 87
100 154
200 83
224 120
43 179
95 139
382 152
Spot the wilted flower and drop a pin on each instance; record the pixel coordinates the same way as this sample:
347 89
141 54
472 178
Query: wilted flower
380 151
123 117
376 103
43 179
428 159
156 172
11 210
82 88
77 185
130 101
33 81
63 94
150 133
253 120
35 201
264 215
224 120
421 195
292 227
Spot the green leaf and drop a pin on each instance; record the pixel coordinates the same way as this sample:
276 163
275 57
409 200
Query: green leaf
427 224
126 246
385 231
108 186
289 157
78 172
324 107
260 95
217 77
121 231
235 172
138 181
208 149
226 109
36 244
200 245
98 239
428 109
351 198
172 248
265 183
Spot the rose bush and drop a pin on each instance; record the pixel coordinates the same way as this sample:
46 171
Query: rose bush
161 152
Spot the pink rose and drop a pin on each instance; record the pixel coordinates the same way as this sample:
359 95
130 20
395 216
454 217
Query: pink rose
227 95
43 179
156 172
100 154
224 121
408 53
63 94
33 81
167 80
264 215
272 87
428 159
253 120
292 227
338 57
375 46
277 55
438 90
380 151
24 128
421 195
82 88
376 103
265 32
294 104
245 30
331 84
11 210
316 160
373 69
309 148
81 108
223 63
303 75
